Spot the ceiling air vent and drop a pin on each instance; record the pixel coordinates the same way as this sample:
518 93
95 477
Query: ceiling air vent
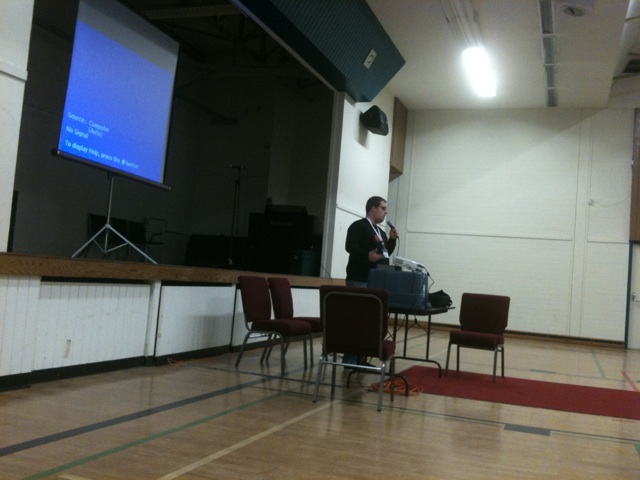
576 8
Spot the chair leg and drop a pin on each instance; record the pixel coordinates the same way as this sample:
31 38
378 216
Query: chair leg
495 361
304 340
446 365
392 376
502 358
383 371
266 353
457 358
333 375
321 367
283 352
304 348
244 344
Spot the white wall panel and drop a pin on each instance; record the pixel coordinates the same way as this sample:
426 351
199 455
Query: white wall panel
609 196
633 335
194 318
531 203
306 302
15 31
152 319
18 316
532 272
81 323
511 173
364 156
340 257
604 298
239 326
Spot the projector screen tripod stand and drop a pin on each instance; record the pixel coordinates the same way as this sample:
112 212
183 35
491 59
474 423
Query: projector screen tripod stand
106 229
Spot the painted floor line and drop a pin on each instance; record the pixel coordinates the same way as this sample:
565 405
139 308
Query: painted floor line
496 423
633 384
141 441
599 365
208 459
242 444
55 437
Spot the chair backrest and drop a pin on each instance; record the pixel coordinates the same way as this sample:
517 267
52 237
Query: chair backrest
484 313
354 319
256 300
281 297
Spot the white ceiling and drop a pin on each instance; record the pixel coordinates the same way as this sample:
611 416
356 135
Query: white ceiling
588 51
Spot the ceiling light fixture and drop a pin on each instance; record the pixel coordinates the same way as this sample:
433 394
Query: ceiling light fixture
463 22
479 71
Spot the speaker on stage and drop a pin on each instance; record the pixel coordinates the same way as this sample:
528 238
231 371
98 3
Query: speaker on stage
375 120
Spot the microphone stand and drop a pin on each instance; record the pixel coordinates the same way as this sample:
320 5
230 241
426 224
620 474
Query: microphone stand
234 212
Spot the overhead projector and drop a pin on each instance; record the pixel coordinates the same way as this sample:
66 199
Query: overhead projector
408 264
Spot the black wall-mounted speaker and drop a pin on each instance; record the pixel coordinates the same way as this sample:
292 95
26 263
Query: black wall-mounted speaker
375 121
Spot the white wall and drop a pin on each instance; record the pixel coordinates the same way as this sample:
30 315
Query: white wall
194 318
15 29
81 323
18 322
633 333
49 325
533 204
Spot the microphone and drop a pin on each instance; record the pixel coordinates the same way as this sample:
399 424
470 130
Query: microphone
391 225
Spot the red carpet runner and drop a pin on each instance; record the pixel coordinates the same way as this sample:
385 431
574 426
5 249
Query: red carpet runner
527 393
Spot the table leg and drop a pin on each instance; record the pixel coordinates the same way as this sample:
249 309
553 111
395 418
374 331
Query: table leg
406 334
429 343
428 335
395 326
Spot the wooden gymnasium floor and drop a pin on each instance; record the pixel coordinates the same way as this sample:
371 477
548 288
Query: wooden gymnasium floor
204 419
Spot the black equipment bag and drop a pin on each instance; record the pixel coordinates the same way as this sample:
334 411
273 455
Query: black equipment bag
440 299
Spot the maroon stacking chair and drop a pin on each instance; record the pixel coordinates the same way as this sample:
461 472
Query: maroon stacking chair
283 304
256 302
355 321
282 300
483 320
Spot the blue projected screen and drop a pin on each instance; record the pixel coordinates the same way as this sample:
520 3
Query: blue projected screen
120 90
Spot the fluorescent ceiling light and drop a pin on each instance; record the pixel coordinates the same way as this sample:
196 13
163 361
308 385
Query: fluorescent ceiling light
479 72
462 19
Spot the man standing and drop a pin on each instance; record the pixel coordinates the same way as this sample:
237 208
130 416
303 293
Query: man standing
367 243
368 246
